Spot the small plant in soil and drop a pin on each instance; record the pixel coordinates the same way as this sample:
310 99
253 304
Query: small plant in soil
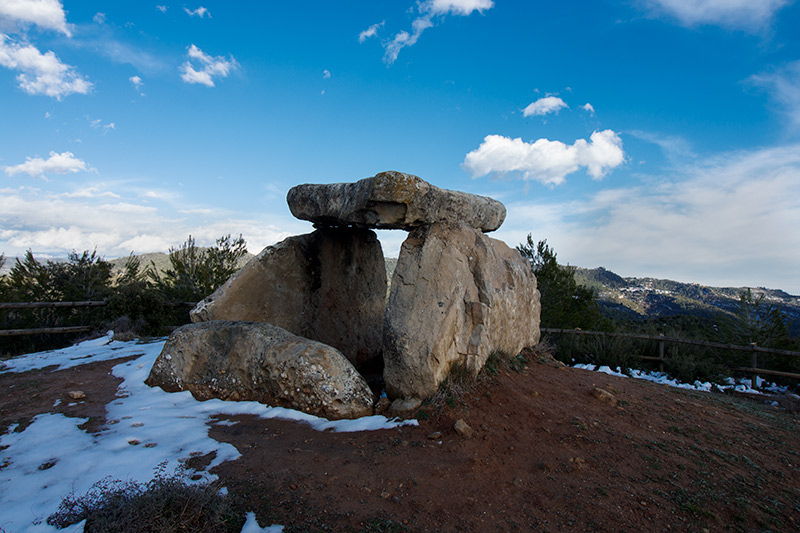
165 503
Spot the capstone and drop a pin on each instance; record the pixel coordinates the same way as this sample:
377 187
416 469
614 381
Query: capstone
392 200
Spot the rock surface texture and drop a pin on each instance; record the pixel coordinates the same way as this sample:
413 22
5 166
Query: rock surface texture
288 328
457 296
329 286
392 200
264 363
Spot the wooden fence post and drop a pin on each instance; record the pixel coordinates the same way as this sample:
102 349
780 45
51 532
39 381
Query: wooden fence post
661 354
754 361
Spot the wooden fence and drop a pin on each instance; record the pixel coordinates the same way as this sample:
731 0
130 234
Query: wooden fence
51 305
753 349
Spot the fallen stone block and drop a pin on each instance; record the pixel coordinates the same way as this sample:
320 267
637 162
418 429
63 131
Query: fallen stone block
264 363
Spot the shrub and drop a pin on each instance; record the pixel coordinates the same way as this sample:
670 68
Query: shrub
163 504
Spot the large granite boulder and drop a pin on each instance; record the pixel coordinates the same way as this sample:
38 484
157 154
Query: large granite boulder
264 363
329 286
392 200
456 297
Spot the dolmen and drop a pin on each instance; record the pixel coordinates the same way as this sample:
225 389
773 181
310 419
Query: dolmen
295 325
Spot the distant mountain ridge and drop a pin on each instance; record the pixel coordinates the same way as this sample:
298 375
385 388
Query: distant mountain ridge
631 297
650 297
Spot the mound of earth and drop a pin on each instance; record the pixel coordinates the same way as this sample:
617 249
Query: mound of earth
552 449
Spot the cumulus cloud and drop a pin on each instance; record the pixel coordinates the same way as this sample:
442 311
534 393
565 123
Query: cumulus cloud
783 85
589 108
136 81
202 68
199 12
545 160
724 221
37 167
543 106
326 74
41 73
47 14
428 10
747 15
372 31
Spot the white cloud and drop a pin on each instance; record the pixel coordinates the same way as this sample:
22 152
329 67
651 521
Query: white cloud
372 31
93 191
783 84
751 15
458 7
210 67
36 167
326 74
543 106
99 18
675 148
199 12
48 14
95 217
428 9
545 160
589 108
404 39
136 81
41 73
163 9
727 221
98 125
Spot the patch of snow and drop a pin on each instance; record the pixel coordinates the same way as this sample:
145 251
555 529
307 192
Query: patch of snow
739 385
53 458
251 526
91 351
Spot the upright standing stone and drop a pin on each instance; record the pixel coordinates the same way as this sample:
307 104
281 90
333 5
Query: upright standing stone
456 297
329 286
392 200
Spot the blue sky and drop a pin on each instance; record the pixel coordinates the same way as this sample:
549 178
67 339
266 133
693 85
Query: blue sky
652 137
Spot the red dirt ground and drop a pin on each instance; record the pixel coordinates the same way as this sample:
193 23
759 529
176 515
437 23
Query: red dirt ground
546 455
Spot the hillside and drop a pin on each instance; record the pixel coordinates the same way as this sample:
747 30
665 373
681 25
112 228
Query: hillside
549 452
641 298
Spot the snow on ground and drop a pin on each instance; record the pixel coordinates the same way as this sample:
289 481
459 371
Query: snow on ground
53 458
739 385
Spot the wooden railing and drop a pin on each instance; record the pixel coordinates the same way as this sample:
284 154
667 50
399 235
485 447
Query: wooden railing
47 305
753 349
51 305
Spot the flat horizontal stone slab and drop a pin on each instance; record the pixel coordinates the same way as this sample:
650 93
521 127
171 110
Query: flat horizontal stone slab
392 200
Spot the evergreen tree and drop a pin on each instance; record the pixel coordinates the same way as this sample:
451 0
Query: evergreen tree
565 303
195 272
760 322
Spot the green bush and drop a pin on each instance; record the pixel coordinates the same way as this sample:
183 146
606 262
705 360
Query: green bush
141 301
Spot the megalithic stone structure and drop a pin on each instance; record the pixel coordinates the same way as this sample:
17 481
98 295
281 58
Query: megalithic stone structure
456 295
